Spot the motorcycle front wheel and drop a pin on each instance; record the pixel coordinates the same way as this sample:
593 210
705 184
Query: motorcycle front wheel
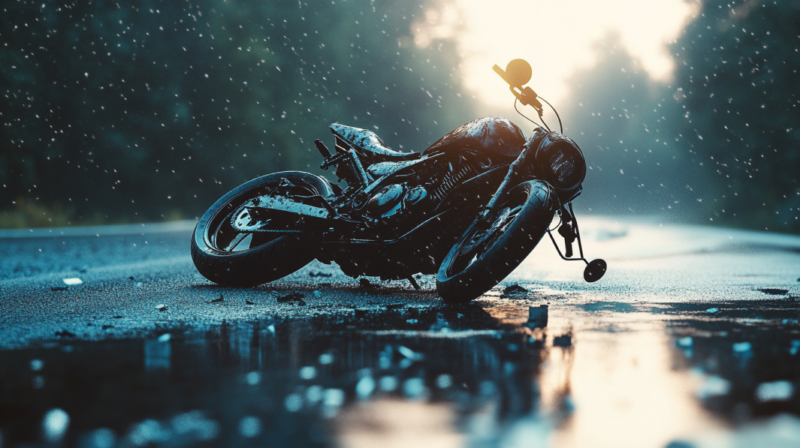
229 257
484 256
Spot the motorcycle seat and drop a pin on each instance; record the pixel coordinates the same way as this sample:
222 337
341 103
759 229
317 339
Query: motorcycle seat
368 144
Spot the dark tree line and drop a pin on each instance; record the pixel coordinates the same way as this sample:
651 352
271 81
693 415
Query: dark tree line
151 109
147 109
718 144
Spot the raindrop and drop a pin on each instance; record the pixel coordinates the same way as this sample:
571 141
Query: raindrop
55 424
252 378
250 426
308 373
293 403
365 387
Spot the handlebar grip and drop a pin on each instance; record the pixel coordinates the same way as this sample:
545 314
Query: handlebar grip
501 72
323 150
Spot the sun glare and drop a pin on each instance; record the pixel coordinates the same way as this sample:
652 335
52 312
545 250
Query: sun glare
556 37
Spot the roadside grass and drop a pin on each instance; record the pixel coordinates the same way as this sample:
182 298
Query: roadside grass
26 215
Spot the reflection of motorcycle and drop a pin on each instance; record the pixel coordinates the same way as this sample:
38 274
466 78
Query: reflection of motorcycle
470 208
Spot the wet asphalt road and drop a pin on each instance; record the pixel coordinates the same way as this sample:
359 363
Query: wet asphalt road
127 271
692 337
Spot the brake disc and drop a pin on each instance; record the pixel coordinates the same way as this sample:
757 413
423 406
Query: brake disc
482 236
245 220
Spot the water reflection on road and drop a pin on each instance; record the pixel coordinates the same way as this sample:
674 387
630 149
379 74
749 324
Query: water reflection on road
480 375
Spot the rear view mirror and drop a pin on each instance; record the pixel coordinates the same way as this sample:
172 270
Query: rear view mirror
518 72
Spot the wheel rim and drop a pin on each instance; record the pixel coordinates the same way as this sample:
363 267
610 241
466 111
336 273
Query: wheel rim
476 242
222 236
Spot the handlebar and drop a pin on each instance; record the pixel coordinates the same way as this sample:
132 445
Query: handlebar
518 73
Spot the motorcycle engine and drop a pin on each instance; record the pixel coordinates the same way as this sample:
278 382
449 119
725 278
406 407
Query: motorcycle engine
392 199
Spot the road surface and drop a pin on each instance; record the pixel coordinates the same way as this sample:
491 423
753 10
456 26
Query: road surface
691 339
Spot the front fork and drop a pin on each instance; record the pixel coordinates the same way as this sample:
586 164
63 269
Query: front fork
568 228
515 173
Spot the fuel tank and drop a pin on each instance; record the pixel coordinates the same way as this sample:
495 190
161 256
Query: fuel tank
494 136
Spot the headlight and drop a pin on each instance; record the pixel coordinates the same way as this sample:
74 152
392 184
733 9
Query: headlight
561 162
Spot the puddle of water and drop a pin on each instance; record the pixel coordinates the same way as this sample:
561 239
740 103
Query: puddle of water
470 376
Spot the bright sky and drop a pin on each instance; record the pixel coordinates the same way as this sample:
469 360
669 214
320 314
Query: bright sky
555 36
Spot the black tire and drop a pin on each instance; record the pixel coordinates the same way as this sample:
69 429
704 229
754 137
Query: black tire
483 258
268 257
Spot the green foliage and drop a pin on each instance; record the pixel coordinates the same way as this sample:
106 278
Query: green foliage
737 67
147 109
719 143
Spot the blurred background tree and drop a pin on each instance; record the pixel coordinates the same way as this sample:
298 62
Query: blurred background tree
152 109
717 144
737 71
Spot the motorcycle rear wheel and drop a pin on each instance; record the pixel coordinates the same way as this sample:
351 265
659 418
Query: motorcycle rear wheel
232 258
482 258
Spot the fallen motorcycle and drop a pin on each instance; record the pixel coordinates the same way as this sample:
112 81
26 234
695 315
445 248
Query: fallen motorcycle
469 208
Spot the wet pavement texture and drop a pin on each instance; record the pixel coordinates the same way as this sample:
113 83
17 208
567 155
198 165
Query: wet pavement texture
691 340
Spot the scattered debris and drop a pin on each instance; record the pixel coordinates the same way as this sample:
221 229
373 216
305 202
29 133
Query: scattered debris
72 281
161 307
131 278
247 302
137 285
293 297
65 334
220 299
58 288
712 310
106 327
412 321
537 316
563 340
320 274
774 291
365 283
514 289
117 317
